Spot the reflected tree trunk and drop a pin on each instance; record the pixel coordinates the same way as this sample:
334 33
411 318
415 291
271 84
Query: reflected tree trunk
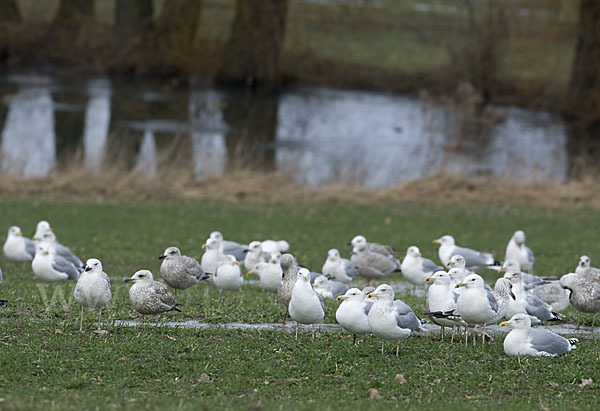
251 56
9 11
252 121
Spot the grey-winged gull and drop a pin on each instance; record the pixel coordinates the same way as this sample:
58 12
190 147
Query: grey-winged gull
306 305
415 268
473 258
386 250
328 288
228 275
517 250
530 281
338 268
524 340
255 255
585 270
17 247
274 247
230 247
270 274
57 248
50 267
528 303
389 319
289 269
370 265
149 297
92 289
352 313
180 271
585 295
441 302
212 257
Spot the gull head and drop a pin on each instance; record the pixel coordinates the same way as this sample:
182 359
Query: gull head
333 255
216 235
519 237
445 240
472 281
42 249
229 259
255 247
569 281
258 268
358 240
275 258
286 261
509 266
93 264
321 282
303 275
413 251
439 277
457 261
42 227
518 321
504 287
48 237
584 261
514 277
211 244
352 294
15 231
141 276
383 292
170 253
283 246
456 274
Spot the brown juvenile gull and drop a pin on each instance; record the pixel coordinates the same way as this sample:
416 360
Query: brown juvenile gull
585 295
92 289
149 297
289 269
179 271
370 265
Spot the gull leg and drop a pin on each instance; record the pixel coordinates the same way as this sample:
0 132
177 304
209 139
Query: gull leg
397 348
452 335
285 316
382 344
466 336
593 321
578 318
519 360
313 332
99 315
297 325
354 339
443 332
81 321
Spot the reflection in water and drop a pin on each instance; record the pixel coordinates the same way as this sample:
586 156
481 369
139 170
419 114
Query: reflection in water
207 133
28 137
317 135
97 123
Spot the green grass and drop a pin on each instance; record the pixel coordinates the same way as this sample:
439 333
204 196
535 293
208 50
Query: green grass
45 363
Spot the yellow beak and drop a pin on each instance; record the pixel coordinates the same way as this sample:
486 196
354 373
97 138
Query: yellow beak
204 245
427 279
331 259
436 241
459 285
418 254
371 295
236 262
501 270
19 234
341 297
503 323
449 264
313 285
250 272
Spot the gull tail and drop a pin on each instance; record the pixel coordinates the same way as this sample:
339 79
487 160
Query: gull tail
557 317
175 308
573 341
2 302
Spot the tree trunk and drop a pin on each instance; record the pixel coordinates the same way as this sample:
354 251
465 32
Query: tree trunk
133 14
584 92
9 11
71 11
252 54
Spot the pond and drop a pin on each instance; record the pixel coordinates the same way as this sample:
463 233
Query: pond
316 135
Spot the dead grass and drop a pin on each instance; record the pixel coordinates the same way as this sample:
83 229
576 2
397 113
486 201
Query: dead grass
241 185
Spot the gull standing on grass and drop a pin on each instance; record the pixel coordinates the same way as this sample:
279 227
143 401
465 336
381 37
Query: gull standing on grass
149 297
255 255
306 305
476 305
57 248
473 259
517 250
328 288
230 247
528 303
50 267
2 302
92 289
289 274
179 271
352 313
585 270
228 275
389 319
338 268
385 250
585 295
441 302
17 247
270 274
212 256
416 269
370 265
524 340
530 281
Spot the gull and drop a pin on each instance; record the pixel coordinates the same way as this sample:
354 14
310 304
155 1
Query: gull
528 303
338 268
585 295
228 275
352 314
389 319
366 291
328 288
17 247
386 250
524 340
441 302
585 270
42 227
255 255
306 305
530 281
179 271
92 289
212 256
57 248
517 250
416 269
370 265
473 258
50 267
458 273
476 305
149 297
552 294
2 302
270 274
289 273
272 246
230 247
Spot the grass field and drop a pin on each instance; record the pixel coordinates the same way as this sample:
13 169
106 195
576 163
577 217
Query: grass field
46 363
